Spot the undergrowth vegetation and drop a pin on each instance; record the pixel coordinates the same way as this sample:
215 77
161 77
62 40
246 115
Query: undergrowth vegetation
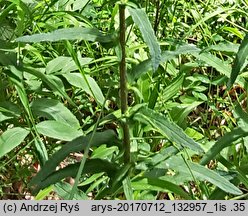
107 99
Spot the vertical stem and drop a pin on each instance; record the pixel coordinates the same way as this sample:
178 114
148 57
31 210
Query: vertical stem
157 18
123 84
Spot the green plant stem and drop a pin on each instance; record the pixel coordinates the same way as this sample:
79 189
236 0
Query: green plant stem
123 84
157 17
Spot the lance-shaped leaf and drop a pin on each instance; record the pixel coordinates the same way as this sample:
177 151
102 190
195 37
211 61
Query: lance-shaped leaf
239 61
141 20
167 128
78 33
156 184
91 166
200 173
107 137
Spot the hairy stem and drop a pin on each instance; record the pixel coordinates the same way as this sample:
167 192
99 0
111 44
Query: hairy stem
123 84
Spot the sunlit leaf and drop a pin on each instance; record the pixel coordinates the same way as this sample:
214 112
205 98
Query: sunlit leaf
76 79
167 128
77 33
11 138
58 130
239 61
54 110
201 173
141 20
160 185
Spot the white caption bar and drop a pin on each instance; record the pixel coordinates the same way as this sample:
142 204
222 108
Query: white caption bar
111 207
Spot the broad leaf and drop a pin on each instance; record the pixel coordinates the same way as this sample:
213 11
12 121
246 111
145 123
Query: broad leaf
64 64
239 61
54 110
58 130
76 79
11 139
167 128
53 83
141 20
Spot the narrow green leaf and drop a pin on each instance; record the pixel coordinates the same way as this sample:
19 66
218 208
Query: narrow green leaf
43 193
224 47
77 80
77 33
167 128
51 83
141 20
201 173
91 179
115 181
54 110
8 110
107 137
239 61
91 166
173 88
223 142
11 138
154 95
127 187
218 64
58 130
63 189
215 62
160 185
64 64
103 152
234 31
146 65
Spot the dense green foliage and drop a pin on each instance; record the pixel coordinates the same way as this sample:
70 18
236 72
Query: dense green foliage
107 99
